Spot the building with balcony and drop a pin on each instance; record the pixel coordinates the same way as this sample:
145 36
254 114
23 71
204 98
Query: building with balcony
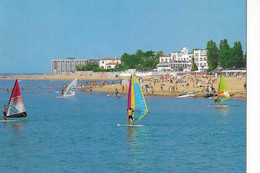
182 59
200 59
175 61
66 65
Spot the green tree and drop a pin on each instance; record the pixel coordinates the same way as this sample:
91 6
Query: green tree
224 54
193 65
245 60
212 55
90 66
78 68
237 55
120 67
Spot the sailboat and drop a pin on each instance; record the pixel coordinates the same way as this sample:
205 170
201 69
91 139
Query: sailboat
222 92
136 100
70 90
15 106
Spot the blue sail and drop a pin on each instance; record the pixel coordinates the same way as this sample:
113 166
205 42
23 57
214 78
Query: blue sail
140 107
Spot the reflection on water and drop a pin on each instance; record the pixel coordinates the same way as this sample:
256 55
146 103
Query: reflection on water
137 141
223 110
131 139
16 126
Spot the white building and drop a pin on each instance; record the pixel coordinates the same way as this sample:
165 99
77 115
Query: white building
109 63
175 61
66 65
200 59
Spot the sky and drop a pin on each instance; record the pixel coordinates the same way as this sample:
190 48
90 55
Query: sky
32 32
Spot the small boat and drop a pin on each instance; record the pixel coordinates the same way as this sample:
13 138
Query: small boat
15 107
189 94
208 95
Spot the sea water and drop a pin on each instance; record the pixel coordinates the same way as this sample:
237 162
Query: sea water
80 134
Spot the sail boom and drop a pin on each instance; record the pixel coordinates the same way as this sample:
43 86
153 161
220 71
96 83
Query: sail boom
18 115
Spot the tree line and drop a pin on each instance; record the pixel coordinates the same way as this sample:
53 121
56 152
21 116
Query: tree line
224 55
139 60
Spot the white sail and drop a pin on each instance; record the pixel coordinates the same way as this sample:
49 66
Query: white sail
71 89
15 106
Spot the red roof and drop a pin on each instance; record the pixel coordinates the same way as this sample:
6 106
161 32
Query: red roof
110 59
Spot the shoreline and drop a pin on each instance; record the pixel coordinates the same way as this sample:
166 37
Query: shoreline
163 94
162 86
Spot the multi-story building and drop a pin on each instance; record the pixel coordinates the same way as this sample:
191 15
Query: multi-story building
200 59
66 65
182 59
175 61
109 63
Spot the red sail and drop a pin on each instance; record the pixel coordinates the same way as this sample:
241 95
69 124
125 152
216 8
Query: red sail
16 107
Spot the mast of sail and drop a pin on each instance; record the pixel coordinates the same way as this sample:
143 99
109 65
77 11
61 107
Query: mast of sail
129 93
15 106
222 90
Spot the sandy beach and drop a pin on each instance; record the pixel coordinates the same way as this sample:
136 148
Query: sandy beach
235 88
161 87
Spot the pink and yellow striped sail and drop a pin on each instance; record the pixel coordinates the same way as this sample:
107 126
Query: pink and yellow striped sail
136 100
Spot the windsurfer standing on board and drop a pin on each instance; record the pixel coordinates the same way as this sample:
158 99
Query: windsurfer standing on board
62 91
130 116
4 112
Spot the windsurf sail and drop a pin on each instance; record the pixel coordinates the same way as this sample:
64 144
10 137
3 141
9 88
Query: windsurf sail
136 100
15 106
71 89
222 90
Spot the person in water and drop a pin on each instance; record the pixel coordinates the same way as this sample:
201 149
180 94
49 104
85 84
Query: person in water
62 91
4 112
130 116
216 101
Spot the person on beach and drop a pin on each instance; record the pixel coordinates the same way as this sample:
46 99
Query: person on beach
130 116
152 91
4 112
117 94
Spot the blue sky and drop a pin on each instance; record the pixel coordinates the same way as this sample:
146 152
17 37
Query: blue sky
35 31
